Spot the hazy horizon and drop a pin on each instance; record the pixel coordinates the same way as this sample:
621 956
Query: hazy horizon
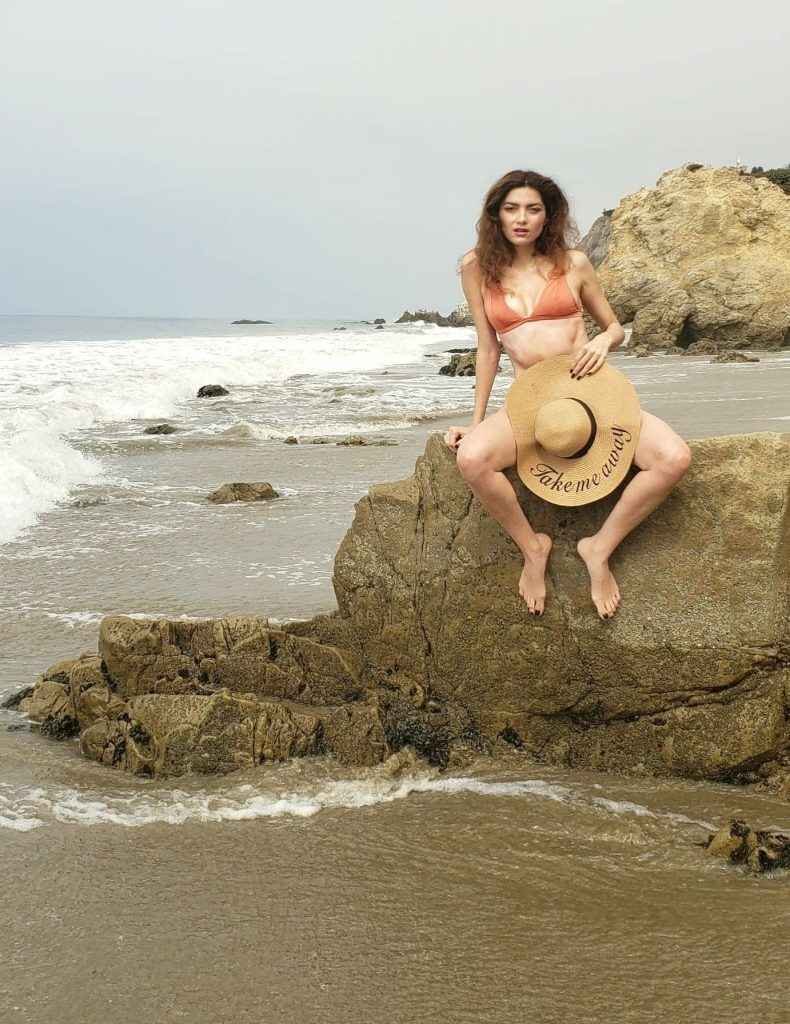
226 161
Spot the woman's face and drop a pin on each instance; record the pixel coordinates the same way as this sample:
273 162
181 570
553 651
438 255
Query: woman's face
522 215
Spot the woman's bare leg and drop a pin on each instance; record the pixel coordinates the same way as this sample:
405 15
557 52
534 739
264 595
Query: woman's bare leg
663 457
482 454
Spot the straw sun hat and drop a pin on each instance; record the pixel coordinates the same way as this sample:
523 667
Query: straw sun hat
575 439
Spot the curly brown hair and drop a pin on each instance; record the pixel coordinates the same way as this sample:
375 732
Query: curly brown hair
495 253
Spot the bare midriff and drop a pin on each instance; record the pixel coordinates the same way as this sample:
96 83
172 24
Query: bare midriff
528 343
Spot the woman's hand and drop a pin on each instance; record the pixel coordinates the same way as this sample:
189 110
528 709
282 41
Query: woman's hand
591 356
453 435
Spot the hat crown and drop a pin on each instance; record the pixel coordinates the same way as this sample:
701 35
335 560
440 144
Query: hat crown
563 426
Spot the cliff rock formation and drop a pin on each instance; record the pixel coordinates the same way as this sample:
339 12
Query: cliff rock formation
705 253
432 646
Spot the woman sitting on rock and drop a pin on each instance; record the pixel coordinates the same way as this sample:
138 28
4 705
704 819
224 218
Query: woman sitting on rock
571 428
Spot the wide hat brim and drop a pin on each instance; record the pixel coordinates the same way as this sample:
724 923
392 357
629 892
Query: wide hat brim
614 406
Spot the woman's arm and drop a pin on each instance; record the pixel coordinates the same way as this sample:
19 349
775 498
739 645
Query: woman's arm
594 300
591 356
488 348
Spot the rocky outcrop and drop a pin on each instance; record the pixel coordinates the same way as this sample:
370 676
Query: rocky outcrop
431 645
704 253
165 698
595 244
242 492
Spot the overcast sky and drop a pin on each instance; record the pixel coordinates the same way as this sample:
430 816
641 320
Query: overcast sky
245 158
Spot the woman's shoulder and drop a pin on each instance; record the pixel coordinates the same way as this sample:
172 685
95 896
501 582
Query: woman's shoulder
578 259
469 266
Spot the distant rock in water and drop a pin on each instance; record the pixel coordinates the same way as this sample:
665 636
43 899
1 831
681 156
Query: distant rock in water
425 315
460 317
705 253
90 502
243 492
379 320
338 328
735 357
235 322
161 428
758 851
379 327
212 391
460 365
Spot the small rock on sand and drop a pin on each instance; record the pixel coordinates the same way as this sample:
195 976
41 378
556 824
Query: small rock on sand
735 357
161 428
756 850
356 439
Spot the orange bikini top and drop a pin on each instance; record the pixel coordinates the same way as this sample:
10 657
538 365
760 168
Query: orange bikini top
555 302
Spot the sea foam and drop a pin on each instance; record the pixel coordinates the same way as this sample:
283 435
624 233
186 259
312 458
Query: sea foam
26 807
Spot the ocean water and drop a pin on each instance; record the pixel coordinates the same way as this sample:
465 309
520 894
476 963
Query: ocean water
71 388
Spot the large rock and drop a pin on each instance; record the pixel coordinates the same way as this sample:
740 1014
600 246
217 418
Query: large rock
706 252
690 677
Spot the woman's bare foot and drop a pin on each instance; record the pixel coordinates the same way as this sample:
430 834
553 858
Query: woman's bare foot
532 583
604 589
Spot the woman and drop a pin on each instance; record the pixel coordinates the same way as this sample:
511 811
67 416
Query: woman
522 249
